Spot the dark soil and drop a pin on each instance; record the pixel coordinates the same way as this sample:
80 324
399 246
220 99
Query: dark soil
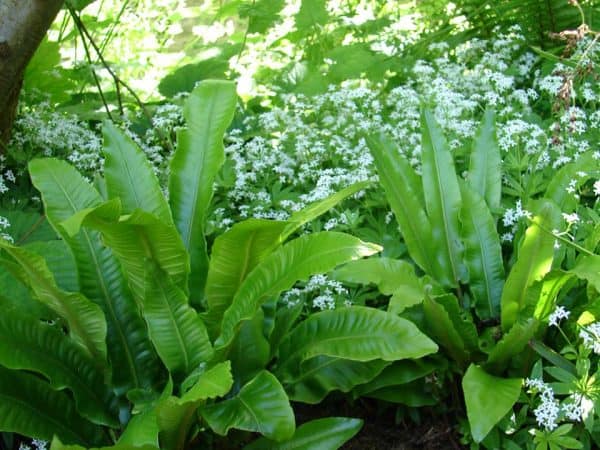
382 430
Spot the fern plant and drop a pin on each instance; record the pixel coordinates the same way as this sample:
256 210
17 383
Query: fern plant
457 290
154 341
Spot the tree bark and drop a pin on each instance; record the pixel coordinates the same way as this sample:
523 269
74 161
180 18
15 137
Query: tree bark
23 25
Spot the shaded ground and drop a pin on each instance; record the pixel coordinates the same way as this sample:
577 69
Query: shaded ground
381 430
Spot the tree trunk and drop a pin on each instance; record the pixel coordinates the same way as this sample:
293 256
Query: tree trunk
23 25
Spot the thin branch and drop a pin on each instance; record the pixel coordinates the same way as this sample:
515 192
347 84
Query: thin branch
89 58
118 81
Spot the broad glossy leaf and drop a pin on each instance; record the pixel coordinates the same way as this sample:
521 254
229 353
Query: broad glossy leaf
485 171
64 193
135 239
21 299
483 254
176 329
85 319
60 261
285 319
32 345
356 333
29 406
488 399
387 274
155 264
176 415
142 429
511 344
314 379
261 406
250 351
57 445
294 261
534 261
405 196
325 434
552 284
413 394
441 327
237 251
397 373
129 175
199 155
233 256
443 202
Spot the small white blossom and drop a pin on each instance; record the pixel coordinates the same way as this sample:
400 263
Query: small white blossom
559 313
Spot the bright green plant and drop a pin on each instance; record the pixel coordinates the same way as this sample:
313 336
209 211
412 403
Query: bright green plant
154 341
456 289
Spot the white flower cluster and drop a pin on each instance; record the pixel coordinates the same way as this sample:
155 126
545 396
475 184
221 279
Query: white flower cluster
546 413
557 315
36 443
511 218
550 411
325 293
39 130
590 335
4 225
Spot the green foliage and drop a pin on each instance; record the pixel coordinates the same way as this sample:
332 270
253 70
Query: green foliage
130 256
488 399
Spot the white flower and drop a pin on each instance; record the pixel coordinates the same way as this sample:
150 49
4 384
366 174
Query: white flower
546 413
571 218
559 313
590 335
597 187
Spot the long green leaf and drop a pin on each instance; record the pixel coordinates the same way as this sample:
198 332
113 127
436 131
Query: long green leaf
356 333
442 201
534 261
29 406
176 415
155 264
60 261
392 276
400 372
294 261
129 175
405 197
320 375
483 254
199 156
485 171
237 251
325 434
135 239
511 344
176 329
85 319
260 406
64 193
488 399
234 255
443 329
387 274
31 345
318 208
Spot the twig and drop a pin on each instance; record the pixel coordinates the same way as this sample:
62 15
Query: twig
89 58
117 80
